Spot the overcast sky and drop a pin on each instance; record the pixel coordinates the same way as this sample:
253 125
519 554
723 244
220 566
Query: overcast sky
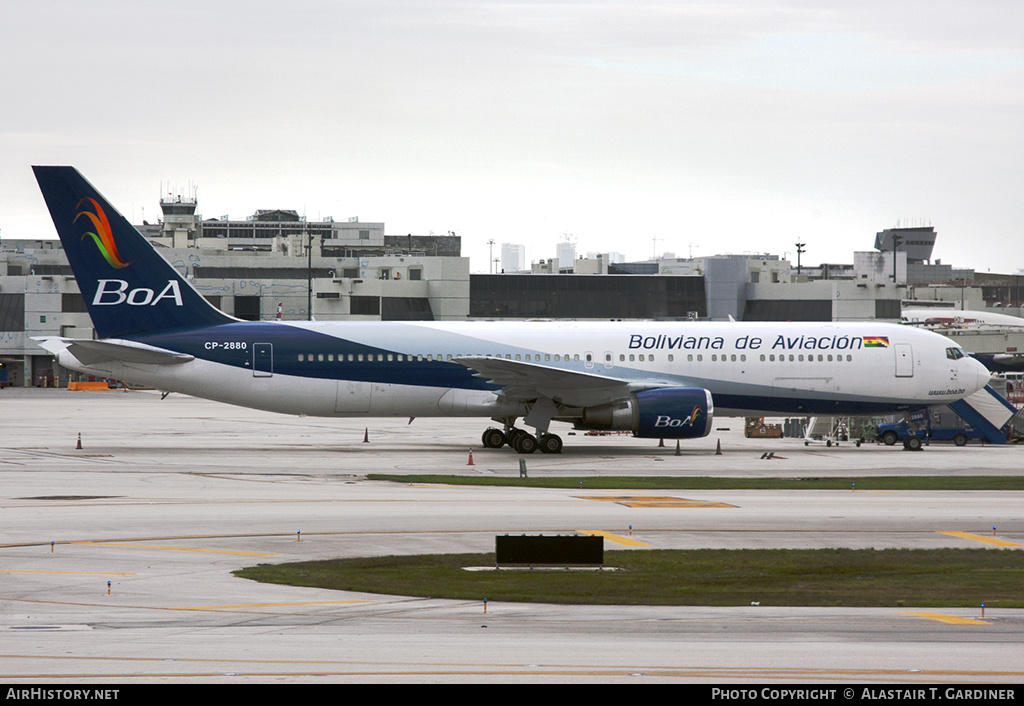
636 127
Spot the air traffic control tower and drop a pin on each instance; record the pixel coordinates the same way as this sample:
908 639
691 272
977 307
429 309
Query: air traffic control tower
179 220
917 243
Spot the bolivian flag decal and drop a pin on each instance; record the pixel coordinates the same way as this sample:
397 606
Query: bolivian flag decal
876 341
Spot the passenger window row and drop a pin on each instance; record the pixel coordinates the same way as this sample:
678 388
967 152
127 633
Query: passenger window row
952 353
400 357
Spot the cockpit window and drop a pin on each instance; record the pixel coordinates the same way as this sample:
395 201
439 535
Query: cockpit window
955 353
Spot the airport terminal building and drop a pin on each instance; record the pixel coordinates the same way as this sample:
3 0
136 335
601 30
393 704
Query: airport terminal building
276 264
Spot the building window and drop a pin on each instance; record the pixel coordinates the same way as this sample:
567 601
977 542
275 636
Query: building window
247 308
364 306
70 303
888 308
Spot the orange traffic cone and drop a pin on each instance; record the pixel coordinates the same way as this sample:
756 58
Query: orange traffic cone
471 458
79 446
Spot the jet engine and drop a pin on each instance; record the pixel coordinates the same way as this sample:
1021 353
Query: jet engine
662 413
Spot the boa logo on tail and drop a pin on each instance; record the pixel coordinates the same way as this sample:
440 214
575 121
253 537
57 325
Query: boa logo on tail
103 238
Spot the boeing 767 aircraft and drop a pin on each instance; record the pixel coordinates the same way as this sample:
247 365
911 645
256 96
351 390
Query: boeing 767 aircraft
655 379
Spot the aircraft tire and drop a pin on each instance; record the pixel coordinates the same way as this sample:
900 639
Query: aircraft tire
525 443
551 444
494 438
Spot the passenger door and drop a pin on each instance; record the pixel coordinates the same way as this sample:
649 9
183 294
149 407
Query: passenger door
263 360
904 360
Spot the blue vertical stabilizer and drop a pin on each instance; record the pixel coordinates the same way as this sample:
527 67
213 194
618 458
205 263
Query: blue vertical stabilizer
128 287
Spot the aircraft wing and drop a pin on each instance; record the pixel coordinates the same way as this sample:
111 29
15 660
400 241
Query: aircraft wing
530 381
95 352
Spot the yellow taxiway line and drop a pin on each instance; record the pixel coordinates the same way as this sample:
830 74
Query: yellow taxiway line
47 571
945 618
264 605
617 538
662 501
177 549
982 538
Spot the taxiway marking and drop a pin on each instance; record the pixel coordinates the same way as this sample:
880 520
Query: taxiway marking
617 538
666 501
264 605
945 618
982 538
177 549
42 571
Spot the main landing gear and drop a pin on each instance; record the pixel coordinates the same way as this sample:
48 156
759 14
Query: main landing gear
522 441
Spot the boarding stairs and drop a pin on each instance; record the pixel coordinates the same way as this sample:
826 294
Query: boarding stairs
990 412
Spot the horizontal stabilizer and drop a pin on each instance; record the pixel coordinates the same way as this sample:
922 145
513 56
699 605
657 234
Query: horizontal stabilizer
988 411
95 352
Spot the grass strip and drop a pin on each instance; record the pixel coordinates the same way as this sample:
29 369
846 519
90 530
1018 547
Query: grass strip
707 577
714 483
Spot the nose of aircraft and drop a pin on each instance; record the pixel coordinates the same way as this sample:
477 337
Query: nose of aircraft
980 372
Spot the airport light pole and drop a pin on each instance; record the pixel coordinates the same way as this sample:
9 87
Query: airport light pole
309 275
799 252
896 240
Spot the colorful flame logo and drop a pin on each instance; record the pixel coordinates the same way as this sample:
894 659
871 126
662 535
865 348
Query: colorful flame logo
103 238
692 419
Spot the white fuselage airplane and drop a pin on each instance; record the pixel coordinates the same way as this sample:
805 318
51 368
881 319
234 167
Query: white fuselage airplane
944 319
655 379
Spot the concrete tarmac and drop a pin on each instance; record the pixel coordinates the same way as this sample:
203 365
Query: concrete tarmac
168 496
